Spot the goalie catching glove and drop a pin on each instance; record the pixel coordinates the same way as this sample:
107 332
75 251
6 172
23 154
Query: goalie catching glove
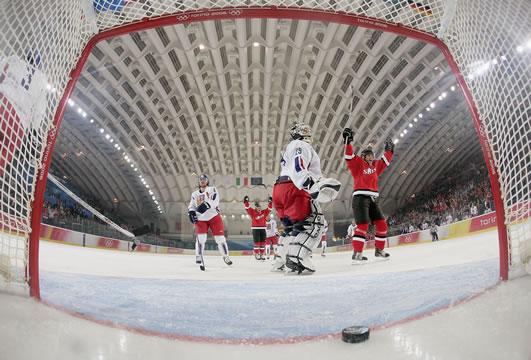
325 190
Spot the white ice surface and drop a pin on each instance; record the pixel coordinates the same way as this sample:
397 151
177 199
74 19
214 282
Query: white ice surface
74 259
495 325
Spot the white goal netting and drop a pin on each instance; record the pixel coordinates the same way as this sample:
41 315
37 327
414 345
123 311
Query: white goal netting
41 43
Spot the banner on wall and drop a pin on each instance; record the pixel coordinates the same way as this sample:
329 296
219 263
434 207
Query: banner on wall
409 238
108 243
483 222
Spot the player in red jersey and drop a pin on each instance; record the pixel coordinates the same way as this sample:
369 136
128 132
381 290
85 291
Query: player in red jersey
365 170
258 225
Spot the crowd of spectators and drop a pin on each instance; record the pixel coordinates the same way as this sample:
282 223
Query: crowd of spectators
61 210
448 200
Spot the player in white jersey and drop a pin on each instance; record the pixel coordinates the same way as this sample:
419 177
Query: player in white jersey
271 237
350 230
296 197
203 212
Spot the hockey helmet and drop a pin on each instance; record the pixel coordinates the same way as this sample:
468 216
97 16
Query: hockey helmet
301 131
367 151
203 177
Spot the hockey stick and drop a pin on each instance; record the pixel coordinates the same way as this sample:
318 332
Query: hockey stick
202 266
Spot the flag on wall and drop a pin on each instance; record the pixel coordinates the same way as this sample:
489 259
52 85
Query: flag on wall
242 181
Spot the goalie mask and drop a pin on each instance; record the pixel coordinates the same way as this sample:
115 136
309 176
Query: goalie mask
302 132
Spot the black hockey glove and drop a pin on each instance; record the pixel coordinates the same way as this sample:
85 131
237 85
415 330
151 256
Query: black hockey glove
193 216
203 207
246 198
389 145
348 136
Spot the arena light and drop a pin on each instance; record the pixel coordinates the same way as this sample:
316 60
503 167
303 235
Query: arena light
395 141
118 148
519 49
150 192
256 44
452 88
153 197
92 121
432 105
420 115
101 130
402 135
444 94
405 131
135 169
84 114
201 47
79 110
415 119
428 108
410 125
440 97
71 102
107 136
111 140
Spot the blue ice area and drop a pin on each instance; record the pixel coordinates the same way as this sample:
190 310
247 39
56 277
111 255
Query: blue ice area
290 306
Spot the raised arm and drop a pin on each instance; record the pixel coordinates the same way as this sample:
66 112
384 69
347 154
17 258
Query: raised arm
384 162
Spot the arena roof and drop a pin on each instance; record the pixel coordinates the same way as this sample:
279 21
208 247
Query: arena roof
218 97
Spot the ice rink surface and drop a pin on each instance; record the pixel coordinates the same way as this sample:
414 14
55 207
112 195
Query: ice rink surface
430 301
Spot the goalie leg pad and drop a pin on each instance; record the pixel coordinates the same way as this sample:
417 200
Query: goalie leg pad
306 235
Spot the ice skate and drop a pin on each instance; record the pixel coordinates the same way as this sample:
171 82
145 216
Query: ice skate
323 254
306 265
198 259
358 258
227 260
381 254
278 265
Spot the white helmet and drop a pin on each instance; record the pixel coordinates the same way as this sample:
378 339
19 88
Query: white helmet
301 131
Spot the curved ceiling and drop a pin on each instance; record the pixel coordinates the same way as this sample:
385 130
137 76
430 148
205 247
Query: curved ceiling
218 97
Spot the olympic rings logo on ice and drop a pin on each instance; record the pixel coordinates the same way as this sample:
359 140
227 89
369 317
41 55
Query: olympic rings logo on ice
108 243
182 17
235 12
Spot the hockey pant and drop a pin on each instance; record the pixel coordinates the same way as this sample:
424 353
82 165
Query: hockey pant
306 235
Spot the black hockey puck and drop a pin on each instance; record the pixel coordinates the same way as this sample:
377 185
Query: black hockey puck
355 334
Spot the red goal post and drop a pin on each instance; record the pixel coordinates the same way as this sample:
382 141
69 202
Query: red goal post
486 44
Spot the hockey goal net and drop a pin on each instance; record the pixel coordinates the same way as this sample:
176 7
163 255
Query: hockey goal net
43 45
